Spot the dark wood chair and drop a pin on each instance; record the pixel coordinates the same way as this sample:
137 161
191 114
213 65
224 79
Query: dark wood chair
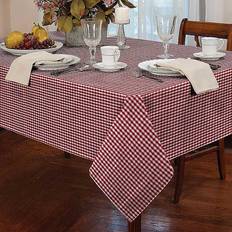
197 29
205 29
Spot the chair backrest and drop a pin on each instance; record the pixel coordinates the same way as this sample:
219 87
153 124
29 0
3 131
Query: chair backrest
206 29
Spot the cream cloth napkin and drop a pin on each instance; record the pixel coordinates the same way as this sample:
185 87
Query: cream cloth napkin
66 60
198 73
20 69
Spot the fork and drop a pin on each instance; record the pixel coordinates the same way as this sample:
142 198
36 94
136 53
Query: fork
144 73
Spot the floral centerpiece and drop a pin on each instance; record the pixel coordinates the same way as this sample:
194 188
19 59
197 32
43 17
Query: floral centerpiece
67 14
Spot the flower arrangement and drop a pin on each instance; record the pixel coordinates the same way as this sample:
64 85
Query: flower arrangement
67 14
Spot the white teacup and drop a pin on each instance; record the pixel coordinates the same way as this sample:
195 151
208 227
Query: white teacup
110 55
210 45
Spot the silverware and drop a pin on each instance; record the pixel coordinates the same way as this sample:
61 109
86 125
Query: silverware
83 68
212 66
144 73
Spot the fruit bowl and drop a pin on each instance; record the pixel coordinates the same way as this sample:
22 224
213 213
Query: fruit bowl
18 52
19 43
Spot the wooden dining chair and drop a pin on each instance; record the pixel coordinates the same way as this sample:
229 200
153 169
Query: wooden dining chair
205 29
197 29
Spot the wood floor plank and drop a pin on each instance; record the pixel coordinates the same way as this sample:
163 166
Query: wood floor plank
41 191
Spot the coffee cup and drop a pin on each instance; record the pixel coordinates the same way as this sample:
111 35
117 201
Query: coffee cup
210 45
110 55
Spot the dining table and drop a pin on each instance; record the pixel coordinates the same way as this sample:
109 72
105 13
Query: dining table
130 127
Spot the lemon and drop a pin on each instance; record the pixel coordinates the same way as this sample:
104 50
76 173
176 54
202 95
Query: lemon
13 39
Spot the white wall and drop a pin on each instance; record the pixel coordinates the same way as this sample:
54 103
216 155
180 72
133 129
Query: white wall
215 10
17 15
4 17
228 11
23 14
219 10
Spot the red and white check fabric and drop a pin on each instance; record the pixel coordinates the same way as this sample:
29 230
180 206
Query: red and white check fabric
131 134
89 114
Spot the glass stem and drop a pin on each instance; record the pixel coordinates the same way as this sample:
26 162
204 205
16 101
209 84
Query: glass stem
165 44
92 51
121 39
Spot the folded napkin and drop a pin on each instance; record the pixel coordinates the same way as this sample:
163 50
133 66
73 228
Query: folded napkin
198 73
20 69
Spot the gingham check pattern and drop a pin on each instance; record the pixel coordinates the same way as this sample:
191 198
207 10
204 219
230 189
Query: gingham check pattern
131 134
131 128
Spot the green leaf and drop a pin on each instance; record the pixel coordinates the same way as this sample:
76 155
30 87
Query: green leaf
77 8
60 23
47 18
76 22
65 24
112 18
91 3
128 4
109 11
68 25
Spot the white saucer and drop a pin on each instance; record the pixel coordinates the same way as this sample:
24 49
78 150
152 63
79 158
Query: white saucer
118 66
149 66
49 66
216 56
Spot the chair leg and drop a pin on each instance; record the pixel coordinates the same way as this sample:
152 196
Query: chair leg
179 178
135 226
67 155
221 159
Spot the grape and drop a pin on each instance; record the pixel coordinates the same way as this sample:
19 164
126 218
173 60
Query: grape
28 45
31 42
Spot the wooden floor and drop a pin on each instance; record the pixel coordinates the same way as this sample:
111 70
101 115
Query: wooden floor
41 191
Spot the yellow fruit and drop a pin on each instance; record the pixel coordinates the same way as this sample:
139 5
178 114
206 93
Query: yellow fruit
41 34
35 28
14 39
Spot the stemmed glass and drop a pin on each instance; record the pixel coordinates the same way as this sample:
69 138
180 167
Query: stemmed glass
165 29
92 35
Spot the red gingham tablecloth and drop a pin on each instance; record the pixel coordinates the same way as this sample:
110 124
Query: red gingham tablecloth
129 127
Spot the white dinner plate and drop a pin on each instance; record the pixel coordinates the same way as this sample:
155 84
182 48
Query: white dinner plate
149 65
58 65
216 56
118 66
19 52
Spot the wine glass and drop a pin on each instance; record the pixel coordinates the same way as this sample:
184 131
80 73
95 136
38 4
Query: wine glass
92 35
165 29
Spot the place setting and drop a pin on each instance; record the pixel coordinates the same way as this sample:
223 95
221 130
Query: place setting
110 54
162 66
152 68
166 65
